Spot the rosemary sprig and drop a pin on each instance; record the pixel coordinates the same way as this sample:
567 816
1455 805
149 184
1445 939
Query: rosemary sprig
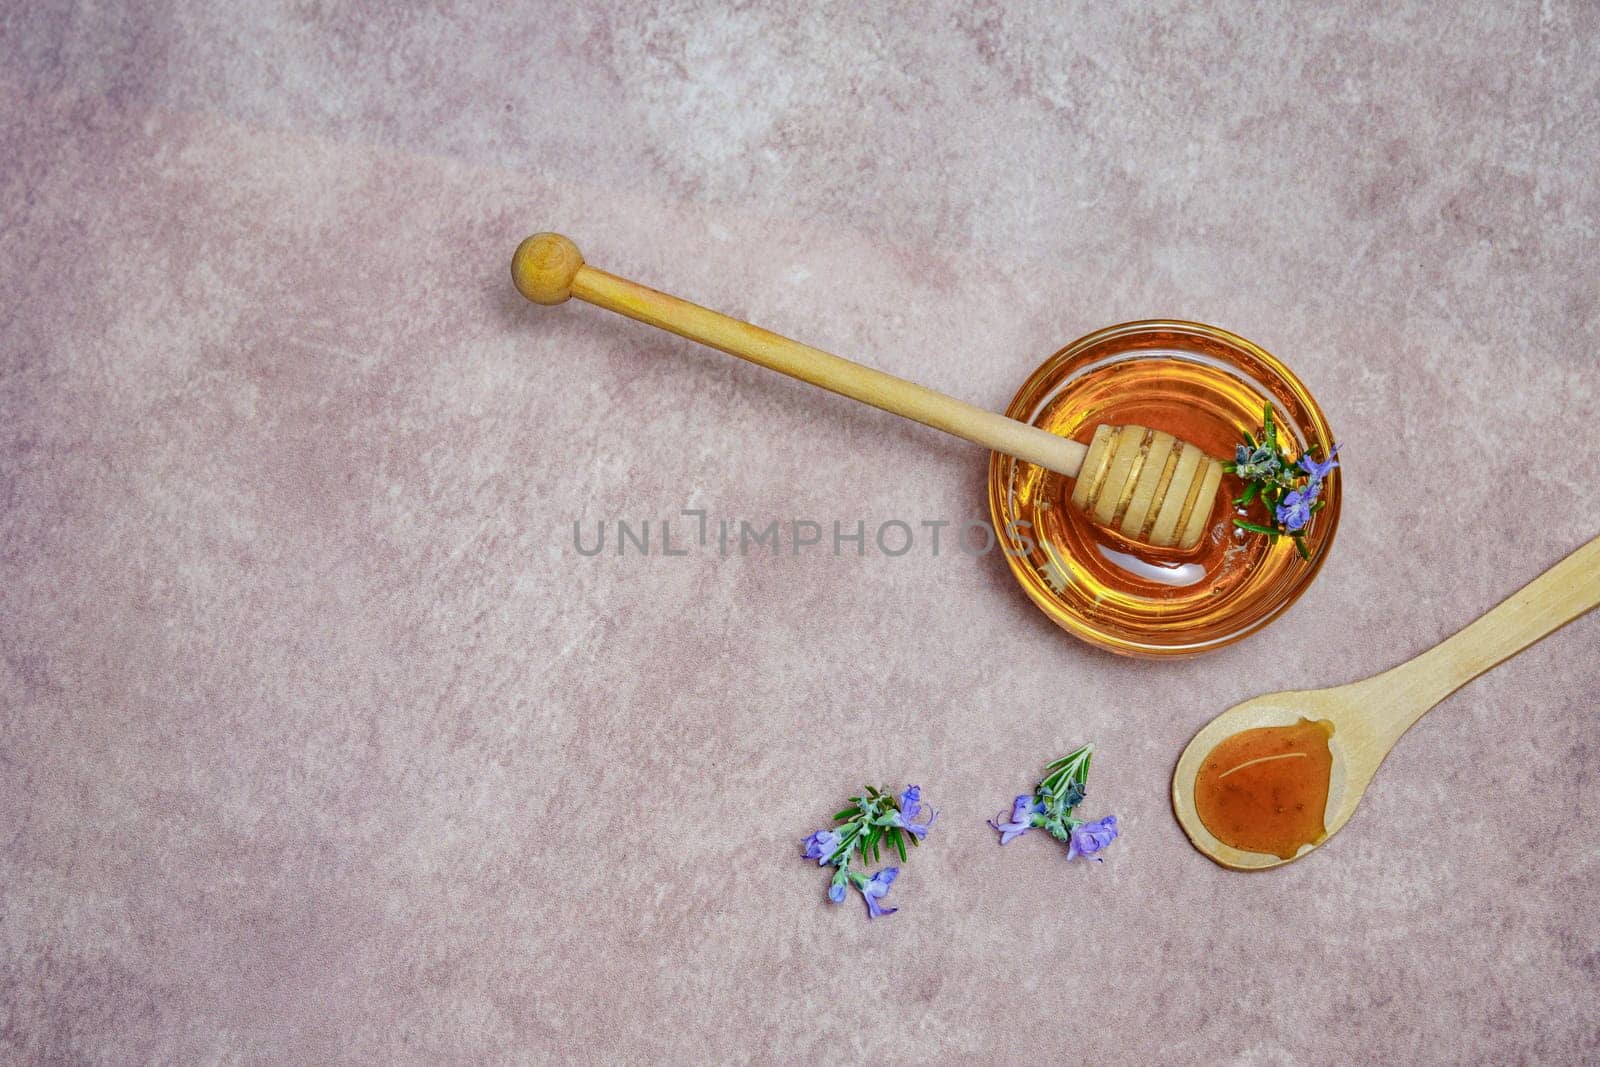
1049 808
874 819
1286 490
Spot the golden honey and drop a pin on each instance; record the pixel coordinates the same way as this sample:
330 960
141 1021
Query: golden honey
1266 790
1204 386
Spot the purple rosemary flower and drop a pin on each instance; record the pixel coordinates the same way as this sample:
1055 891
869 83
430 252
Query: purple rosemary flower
910 808
918 830
821 846
911 801
1022 813
1295 509
836 888
873 889
1319 471
1091 837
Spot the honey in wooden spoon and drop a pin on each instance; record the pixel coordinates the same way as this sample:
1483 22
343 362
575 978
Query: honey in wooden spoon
1266 790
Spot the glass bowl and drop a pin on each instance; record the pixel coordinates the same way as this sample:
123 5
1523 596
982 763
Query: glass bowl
1205 386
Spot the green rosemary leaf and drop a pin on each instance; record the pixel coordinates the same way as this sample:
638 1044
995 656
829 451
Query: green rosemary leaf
841 816
897 840
1073 767
1255 527
1082 752
1300 546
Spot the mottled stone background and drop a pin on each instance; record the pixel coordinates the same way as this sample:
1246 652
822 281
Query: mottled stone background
319 742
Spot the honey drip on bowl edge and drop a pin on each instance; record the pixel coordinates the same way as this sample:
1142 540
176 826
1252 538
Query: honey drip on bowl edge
1266 789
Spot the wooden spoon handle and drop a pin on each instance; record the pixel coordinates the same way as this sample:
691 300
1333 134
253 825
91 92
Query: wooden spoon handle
548 268
1538 609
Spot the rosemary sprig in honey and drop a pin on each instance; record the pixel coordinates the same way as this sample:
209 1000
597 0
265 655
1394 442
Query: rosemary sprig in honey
1288 492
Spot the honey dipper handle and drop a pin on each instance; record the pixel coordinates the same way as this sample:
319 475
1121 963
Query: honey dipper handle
548 268
1538 609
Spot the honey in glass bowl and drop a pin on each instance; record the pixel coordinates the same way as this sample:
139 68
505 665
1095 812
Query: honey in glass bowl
1204 386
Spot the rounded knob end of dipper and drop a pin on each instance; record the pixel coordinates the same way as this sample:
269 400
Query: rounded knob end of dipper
543 267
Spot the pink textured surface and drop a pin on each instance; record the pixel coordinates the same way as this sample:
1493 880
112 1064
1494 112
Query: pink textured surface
319 741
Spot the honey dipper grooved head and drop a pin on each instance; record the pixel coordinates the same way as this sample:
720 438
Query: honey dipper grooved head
1148 485
543 267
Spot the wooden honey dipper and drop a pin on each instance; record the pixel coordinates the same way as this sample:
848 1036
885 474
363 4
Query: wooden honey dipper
1146 484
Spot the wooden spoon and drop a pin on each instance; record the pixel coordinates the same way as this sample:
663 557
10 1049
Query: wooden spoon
1369 716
